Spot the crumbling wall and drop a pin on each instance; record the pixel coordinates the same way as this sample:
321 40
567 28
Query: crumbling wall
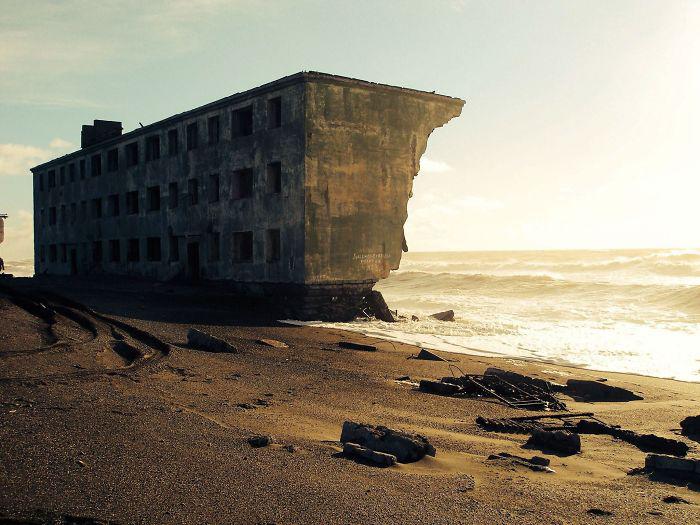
363 148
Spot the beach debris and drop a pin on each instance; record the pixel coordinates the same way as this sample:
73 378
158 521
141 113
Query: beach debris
427 355
415 318
438 387
259 441
593 391
535 463
599 512
644 442
353 450
273 343
515 393
357 346
403 378
376 306
407 447
447 315
516 378
675 500
560 441
210 343
690 426
685 469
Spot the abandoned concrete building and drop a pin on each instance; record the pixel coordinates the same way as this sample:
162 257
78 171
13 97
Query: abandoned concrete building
296 189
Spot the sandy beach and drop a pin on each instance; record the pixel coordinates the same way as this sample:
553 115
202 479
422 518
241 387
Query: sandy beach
89 429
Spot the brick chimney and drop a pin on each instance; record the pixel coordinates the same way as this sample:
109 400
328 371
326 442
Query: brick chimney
99 131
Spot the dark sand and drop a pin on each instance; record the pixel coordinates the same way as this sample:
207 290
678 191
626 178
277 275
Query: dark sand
88 431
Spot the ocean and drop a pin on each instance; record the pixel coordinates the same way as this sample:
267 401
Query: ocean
635 311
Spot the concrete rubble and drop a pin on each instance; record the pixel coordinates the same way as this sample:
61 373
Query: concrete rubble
559 441
406 447
353 450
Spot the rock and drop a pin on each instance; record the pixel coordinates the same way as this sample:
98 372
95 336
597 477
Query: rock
407 447
353 450
447 315
438 387
204 341
403 378
593 391
645 442
376 306
427 355
690 426
414 318
670 463
555 440
675 499
357 346
536 463
599 512
259 441
273 343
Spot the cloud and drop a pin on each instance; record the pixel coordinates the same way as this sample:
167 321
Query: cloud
17 159
428 165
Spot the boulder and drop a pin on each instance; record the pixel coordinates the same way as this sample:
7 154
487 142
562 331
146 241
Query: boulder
447 315
204 341
690 426
353 450
406 447
259 441
559 441
438 387
593 391
670 463
376 306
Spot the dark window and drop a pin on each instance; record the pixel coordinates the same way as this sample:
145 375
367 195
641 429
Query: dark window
173 146
96 165
43 218
113 205
132 202
243 246
214 247
63 214
153 198
172 195
242 122
82 168
213 128
73 213
214 187
96 208
113 160
62 175
52 179
71 172
52 215
152 148
192 132
114 252
193 191
41 182
132 250
64 253
132 154
242 184
97 251
174 249
274 112
52 253
274 177
83 210
272 245
153 248
42 253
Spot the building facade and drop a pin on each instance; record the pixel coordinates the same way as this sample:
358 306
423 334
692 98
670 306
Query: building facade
297 188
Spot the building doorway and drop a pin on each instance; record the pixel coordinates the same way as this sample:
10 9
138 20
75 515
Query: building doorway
193 261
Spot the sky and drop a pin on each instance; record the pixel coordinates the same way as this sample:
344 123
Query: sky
581 127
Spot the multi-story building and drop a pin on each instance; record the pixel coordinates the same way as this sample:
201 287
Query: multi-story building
297 189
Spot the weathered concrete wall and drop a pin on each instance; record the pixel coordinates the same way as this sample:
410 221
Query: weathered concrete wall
363 147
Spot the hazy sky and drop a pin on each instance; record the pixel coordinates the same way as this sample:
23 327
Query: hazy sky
581 128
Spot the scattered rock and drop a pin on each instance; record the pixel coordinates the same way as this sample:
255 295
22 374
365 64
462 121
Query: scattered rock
259 441
262 402
353 450
246 406
675 499
599 512
559 441
407 447
414 318
593 391
536 463
438 387
203 341
273 342
690 426
447 315
427 355
291 448
357 346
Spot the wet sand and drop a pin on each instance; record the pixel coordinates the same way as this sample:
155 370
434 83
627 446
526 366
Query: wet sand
137 434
